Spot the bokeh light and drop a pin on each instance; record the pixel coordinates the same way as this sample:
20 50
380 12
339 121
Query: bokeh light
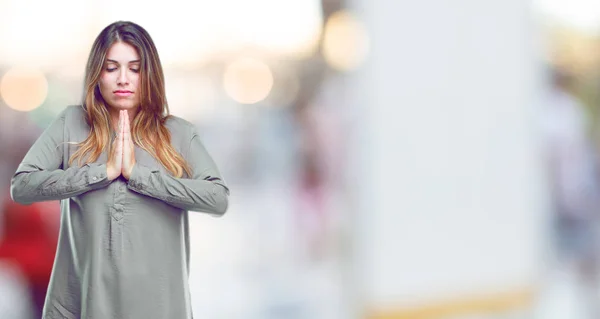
31 35
345 41
581 14
288 28
23 89
248 80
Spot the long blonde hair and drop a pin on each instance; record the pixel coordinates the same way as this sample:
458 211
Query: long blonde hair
148 127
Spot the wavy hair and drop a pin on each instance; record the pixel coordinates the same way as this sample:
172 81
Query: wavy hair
148 128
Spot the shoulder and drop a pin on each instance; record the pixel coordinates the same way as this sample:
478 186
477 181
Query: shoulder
180 127
69 115
74 118
72 112
182 131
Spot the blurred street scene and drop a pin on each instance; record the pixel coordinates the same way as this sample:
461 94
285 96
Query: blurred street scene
386 159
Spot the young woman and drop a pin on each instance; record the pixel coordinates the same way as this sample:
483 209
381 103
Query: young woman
127 173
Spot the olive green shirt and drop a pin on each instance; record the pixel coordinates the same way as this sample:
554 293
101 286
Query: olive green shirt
123 248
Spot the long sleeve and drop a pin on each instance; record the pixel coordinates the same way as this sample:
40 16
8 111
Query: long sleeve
204 192
40 176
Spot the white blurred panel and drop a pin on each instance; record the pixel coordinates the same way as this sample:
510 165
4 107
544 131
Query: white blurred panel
450 171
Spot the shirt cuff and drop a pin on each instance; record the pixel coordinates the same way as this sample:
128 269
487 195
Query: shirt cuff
96 173
139 175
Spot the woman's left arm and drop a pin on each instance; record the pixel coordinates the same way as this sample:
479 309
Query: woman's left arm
204 192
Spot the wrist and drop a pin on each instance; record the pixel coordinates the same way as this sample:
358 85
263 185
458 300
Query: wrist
127 173
111 172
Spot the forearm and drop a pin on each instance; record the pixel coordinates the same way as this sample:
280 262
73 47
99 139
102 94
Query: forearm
202 195
32 184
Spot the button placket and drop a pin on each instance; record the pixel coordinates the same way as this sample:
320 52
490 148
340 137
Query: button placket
117 211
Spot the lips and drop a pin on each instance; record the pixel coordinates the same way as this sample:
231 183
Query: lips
122 93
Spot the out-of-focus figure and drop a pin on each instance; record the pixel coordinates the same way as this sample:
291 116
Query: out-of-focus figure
14 302
574 188
29 246
322 150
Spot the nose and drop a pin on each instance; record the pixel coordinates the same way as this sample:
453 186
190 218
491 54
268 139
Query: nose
122 79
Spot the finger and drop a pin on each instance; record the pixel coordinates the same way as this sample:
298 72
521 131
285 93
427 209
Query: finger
123 123
127 127
120 129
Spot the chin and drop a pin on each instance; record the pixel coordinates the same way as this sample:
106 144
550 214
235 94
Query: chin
124 105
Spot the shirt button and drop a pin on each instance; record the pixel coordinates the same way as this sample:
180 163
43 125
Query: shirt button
117 216
94 178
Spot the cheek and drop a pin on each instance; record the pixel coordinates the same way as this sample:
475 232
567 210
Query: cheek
135 81
103 83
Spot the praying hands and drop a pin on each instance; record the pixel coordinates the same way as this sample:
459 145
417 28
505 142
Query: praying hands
122 158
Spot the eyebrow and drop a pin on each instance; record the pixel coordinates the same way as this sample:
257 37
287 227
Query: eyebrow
113 61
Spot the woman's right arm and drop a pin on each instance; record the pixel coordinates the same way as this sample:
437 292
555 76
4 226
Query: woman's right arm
40 176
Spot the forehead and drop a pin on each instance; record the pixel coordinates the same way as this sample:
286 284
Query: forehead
122 52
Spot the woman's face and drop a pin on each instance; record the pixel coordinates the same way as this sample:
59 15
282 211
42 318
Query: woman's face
120 78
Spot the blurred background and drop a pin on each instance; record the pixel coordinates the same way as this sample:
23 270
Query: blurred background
386 159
